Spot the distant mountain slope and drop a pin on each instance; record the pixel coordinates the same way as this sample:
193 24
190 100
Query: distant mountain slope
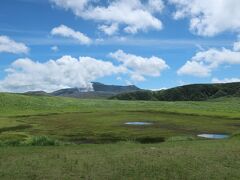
99 91
195 92
75 93
99 87
36 93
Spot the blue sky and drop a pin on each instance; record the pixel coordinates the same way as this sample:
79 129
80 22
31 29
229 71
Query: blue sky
52 44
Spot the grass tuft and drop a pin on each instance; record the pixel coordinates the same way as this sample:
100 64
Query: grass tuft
32 141
41 141
10 143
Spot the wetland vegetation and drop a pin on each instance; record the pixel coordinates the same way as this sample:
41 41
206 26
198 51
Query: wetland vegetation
89 139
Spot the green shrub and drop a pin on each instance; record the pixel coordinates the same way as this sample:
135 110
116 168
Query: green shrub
42 141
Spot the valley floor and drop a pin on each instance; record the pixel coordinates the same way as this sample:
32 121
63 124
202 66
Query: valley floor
63 138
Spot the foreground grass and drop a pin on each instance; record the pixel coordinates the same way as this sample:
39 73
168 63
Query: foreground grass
171 160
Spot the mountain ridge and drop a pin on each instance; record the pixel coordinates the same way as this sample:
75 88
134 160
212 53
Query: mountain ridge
192 92
99 90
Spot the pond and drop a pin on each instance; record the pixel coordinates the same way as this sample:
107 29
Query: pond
138 123
214 136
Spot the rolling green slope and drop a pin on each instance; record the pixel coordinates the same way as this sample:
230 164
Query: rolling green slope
18 104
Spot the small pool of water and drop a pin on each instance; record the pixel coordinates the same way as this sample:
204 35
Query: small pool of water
214 136
138 123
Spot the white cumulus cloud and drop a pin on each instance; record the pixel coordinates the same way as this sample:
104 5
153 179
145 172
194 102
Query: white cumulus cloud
10 46
140 66
65 31
66 72
204 62
109 29
54 48
75 5
209 17
195 69
155 5
236 46
133 15
225 80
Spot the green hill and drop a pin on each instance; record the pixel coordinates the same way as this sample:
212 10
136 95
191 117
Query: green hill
194 92
20 104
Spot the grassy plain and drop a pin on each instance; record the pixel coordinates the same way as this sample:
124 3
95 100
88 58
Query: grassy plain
103 147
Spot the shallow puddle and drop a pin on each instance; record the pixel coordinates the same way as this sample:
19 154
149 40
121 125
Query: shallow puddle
138 123
214 136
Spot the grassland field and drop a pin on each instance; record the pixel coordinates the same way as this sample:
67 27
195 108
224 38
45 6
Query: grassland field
95 142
